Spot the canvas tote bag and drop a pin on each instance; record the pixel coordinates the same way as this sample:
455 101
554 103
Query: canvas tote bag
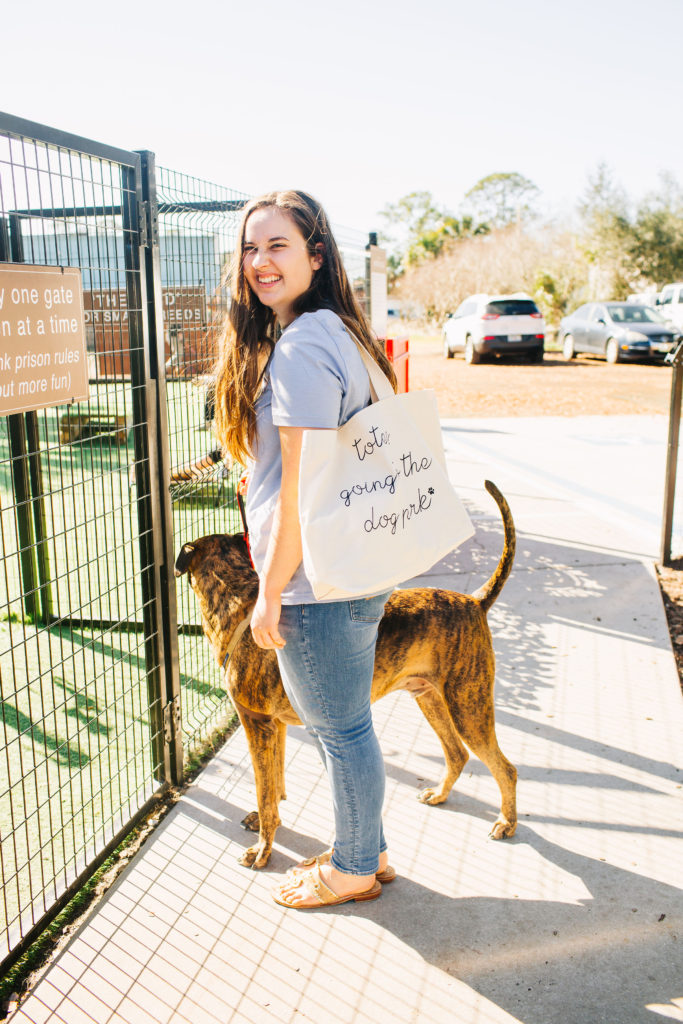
375 501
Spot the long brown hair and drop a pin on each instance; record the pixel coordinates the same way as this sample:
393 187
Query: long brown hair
251 330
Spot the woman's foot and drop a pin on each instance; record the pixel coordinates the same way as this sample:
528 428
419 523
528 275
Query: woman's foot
385 873
322 885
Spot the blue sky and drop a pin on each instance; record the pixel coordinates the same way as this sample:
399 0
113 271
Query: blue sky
361 102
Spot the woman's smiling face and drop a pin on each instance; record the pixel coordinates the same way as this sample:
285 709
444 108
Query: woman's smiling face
276 262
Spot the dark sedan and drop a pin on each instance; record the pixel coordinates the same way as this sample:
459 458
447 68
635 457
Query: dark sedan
617 330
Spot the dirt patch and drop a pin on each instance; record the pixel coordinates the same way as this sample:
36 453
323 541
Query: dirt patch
582 387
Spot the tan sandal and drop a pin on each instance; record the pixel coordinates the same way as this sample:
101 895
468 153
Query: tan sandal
383 877
311 884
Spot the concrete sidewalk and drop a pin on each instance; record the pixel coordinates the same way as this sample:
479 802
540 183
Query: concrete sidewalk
577 919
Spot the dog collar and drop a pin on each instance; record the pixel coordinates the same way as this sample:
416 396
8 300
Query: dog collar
235 639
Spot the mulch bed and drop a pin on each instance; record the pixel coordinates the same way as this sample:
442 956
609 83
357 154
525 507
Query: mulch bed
671 586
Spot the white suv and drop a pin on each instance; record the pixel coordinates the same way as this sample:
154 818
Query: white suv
495 325
670 303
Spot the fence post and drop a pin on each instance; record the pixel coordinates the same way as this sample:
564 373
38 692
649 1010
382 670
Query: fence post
145 442
39 518
22 497
165 554
672 454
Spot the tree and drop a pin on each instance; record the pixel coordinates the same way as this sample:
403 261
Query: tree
431 244
502 199
608 237
560 278
417 229
545 263
409 218
603 197
656 249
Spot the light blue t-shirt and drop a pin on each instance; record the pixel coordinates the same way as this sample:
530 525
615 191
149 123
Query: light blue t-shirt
315 378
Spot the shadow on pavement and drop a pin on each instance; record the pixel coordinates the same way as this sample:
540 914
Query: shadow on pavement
546 946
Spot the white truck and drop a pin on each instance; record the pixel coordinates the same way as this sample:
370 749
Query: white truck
670 303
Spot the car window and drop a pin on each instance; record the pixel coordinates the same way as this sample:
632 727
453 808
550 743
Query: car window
511 307
631 313
680 295
667 296
599 313
467 308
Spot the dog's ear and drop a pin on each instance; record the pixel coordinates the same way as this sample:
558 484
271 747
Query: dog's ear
182 562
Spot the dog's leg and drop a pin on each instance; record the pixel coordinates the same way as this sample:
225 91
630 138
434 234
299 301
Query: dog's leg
266 741
251 821
434 709
479 733
280 758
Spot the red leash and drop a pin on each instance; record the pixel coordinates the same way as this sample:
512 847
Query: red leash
241 495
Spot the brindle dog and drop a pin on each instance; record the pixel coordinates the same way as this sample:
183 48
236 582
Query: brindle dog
434 643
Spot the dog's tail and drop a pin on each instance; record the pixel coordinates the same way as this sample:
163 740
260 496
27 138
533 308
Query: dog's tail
487 594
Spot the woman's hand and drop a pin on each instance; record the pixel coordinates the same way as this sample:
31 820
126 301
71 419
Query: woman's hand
264 622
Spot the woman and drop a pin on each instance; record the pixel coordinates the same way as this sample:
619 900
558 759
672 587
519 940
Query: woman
289 362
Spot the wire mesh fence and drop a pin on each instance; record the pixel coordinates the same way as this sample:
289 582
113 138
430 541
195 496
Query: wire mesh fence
197 232
79 649
106 682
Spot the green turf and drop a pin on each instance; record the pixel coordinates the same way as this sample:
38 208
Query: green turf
78 752
77 759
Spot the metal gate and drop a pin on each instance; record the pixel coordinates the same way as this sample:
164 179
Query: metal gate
95 499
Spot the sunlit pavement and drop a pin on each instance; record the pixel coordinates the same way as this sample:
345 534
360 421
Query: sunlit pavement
578 918
612 467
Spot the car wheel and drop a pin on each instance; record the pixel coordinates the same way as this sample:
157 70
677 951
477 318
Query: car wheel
568 350
612 350
471 354
447 350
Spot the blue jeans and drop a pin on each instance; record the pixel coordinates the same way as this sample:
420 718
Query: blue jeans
326 669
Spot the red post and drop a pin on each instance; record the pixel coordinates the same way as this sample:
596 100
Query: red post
399 356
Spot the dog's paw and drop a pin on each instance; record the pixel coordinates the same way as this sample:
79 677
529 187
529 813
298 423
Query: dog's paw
255 857
251 822
502 829
432 796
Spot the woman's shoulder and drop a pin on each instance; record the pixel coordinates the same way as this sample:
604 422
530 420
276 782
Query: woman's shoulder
320 335
316 366
316 325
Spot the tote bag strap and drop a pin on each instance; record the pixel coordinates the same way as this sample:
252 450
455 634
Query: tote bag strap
380 388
